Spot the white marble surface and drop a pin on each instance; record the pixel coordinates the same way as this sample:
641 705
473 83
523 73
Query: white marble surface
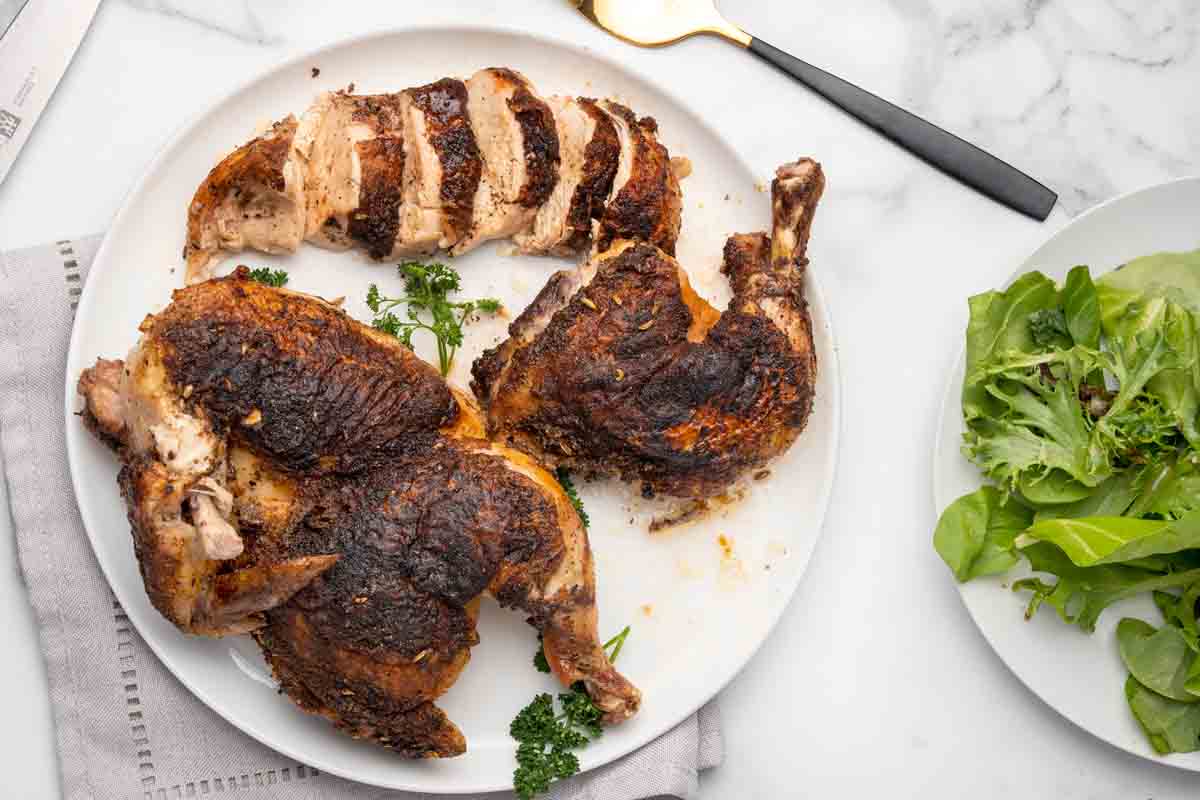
876 682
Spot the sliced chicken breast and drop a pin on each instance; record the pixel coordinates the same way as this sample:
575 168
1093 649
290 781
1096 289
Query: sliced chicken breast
448 166
519 143
253 199
355 169
441 170
645 203
590 151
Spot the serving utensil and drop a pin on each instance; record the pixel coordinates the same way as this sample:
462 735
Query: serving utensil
653 23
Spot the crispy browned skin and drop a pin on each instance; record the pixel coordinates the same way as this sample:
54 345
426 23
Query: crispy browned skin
539 139
648 207
621 368
601 156
331 395
444 104
360 482
376 221
254 175
347 176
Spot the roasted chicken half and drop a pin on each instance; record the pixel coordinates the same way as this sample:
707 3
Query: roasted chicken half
292 472
619 367
449 165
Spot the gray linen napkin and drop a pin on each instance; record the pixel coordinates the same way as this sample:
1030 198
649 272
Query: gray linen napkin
126 728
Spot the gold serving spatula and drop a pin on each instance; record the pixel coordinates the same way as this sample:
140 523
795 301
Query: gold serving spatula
652 23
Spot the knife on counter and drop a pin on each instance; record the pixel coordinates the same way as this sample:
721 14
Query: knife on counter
38 39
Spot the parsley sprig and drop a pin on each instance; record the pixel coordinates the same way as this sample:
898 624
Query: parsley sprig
270 277
568 485
545 739
427 307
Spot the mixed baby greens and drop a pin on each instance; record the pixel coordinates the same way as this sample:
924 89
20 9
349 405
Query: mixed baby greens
1081 405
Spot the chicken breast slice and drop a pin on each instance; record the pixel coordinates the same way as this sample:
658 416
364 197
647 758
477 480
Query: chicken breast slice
589 152
442 168
355 168
254 198
518 139
645 203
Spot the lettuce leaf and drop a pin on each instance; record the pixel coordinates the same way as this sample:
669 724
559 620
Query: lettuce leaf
1081 308
1080 594
1037 423
1149 298
1091 541
999 324
1173 275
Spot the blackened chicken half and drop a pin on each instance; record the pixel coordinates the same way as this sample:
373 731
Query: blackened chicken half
619 367
293 473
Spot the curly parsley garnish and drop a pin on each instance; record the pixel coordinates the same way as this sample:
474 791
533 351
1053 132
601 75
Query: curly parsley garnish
427 288
568 485
539 658
269 277
545 739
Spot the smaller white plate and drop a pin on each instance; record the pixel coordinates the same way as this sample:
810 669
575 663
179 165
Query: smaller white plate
1079 676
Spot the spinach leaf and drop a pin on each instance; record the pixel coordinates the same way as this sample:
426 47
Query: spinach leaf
1160 658
975 533
1111 540
1171 726
1082 308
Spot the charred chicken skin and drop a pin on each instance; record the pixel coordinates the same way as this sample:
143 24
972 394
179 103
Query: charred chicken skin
619 367
291 472
448 166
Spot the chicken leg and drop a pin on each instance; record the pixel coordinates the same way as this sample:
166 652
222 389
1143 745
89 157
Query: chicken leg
619 367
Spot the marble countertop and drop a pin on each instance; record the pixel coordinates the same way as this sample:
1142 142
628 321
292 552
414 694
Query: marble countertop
876 681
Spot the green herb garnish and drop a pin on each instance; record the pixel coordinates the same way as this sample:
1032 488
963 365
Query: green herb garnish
539 658
269 277
568 485
426 303
546 739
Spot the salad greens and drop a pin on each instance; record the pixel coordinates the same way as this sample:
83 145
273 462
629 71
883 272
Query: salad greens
1082 409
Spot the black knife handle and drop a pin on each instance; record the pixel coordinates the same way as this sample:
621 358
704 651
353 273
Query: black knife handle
960 159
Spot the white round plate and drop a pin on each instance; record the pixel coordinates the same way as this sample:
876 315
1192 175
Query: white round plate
698 613
1080 676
